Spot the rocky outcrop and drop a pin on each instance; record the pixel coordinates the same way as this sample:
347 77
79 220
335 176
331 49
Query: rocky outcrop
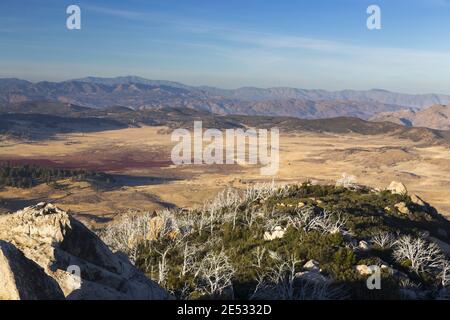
156 224
277 233
402 208
311 276
397 188
312 273
363 246
74 257
312 265
23 279
365 270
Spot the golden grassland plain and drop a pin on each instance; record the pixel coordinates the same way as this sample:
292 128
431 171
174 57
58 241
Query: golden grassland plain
139 158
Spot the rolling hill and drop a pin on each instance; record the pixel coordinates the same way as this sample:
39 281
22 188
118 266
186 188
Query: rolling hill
436 117
41 119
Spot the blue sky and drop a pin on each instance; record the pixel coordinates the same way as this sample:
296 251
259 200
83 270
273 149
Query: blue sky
229 43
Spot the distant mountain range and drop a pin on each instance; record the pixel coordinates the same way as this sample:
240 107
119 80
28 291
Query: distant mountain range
140 93
435 117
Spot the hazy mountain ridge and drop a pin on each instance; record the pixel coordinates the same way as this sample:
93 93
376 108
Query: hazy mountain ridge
436 117
138 92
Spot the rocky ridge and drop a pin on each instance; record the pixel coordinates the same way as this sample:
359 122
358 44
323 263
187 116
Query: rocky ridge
47 254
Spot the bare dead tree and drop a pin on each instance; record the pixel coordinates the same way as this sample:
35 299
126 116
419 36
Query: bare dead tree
189 258
384 240
211 220
127 234
423 255
324 221
327 222
228 198
185 292
347 181
259 256
201 222
215 274
444 274
262 191
277 282
188 221
281 282
276 220
250 215
162 266
302 218
234 218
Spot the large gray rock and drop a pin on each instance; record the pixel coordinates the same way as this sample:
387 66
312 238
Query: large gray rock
312 265
311 276
364 246
365 270
397 188
277 233
57 243
23 279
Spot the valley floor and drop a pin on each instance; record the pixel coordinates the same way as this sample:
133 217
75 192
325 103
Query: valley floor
139 159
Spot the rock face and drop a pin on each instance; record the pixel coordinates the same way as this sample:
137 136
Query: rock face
23 279
397 188
155 226
46 237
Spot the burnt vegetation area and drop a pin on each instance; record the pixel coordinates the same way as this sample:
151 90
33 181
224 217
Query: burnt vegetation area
293 242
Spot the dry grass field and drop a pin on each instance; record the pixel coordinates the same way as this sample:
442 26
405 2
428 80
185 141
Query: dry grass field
139 159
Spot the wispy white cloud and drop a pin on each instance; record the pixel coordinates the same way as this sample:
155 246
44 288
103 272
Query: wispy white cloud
235 40
127 14
290 58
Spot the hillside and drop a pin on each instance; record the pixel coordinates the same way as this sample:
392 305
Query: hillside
45 126
279 242
293 242
44 119
435 117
